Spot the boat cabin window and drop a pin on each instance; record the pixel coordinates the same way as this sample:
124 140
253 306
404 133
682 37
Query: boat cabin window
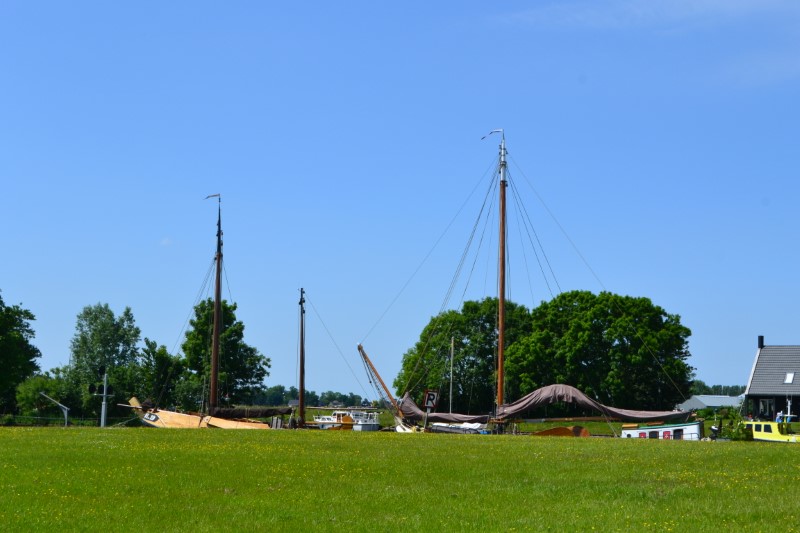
653 435
758 427
767 428
667 435
677 434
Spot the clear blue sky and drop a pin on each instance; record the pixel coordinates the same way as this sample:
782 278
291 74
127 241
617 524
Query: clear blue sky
345 136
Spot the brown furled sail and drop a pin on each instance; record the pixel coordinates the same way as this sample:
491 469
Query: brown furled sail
560 393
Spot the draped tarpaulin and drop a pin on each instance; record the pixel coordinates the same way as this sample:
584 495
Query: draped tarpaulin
567 394
411 411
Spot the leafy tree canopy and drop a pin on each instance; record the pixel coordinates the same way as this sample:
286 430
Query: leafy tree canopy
621 350
474 333
17 354
159 373
103 341
242 369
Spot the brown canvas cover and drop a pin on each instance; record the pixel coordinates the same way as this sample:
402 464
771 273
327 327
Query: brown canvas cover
566 394
411 411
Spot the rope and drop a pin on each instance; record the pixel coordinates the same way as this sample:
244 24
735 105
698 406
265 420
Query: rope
424 260
341 354
600 282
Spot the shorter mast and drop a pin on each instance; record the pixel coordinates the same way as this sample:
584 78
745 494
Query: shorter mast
302 402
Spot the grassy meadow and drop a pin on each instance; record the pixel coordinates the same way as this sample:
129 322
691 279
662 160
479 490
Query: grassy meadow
137 479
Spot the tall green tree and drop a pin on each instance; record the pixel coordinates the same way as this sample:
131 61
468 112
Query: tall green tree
159 373
17 354
623 351
242 368
105 341
474 330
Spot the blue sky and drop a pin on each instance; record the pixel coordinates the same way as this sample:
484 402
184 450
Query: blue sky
345 137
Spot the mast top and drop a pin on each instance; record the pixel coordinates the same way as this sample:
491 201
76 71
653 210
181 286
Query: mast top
502 152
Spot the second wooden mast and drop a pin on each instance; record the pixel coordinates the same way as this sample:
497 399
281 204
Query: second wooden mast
213 402
501 275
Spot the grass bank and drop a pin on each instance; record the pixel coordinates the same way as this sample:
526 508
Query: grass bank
208 480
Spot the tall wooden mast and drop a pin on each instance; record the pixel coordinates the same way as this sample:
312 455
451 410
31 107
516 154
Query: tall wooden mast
501 275
213 402
302 401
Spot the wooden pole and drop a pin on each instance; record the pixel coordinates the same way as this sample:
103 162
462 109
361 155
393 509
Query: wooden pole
302 401
213 401
501 278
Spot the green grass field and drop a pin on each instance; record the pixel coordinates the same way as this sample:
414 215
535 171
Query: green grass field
140 479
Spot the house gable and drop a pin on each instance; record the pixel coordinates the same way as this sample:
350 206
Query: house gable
776 371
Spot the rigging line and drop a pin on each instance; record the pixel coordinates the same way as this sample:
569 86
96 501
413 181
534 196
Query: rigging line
487 269
203 288
596 277
425 259
341 354
528 228
453 282
491 194
560 227
227 283
469 245
518 199
525 260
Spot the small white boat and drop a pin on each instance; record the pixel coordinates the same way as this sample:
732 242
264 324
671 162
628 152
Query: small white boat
464 427
349 420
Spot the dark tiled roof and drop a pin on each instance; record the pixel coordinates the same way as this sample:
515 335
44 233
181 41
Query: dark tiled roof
770 369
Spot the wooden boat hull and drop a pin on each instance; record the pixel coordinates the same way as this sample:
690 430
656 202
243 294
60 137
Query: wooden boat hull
568 431
159 418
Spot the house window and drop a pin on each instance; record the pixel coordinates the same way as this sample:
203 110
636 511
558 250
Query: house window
789 377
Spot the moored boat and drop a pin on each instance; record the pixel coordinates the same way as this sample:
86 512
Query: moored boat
681 431
348 420
771 431
216 417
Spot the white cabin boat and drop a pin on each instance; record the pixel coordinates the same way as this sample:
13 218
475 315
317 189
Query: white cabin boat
684 431
355 420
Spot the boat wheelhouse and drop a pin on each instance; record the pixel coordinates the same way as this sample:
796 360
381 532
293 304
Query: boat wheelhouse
771 431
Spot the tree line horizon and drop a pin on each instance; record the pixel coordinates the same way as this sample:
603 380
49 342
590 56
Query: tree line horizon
621 350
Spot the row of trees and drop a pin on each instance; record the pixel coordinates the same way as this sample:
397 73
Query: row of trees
113 344
280 395
700 387
622 351
107 343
